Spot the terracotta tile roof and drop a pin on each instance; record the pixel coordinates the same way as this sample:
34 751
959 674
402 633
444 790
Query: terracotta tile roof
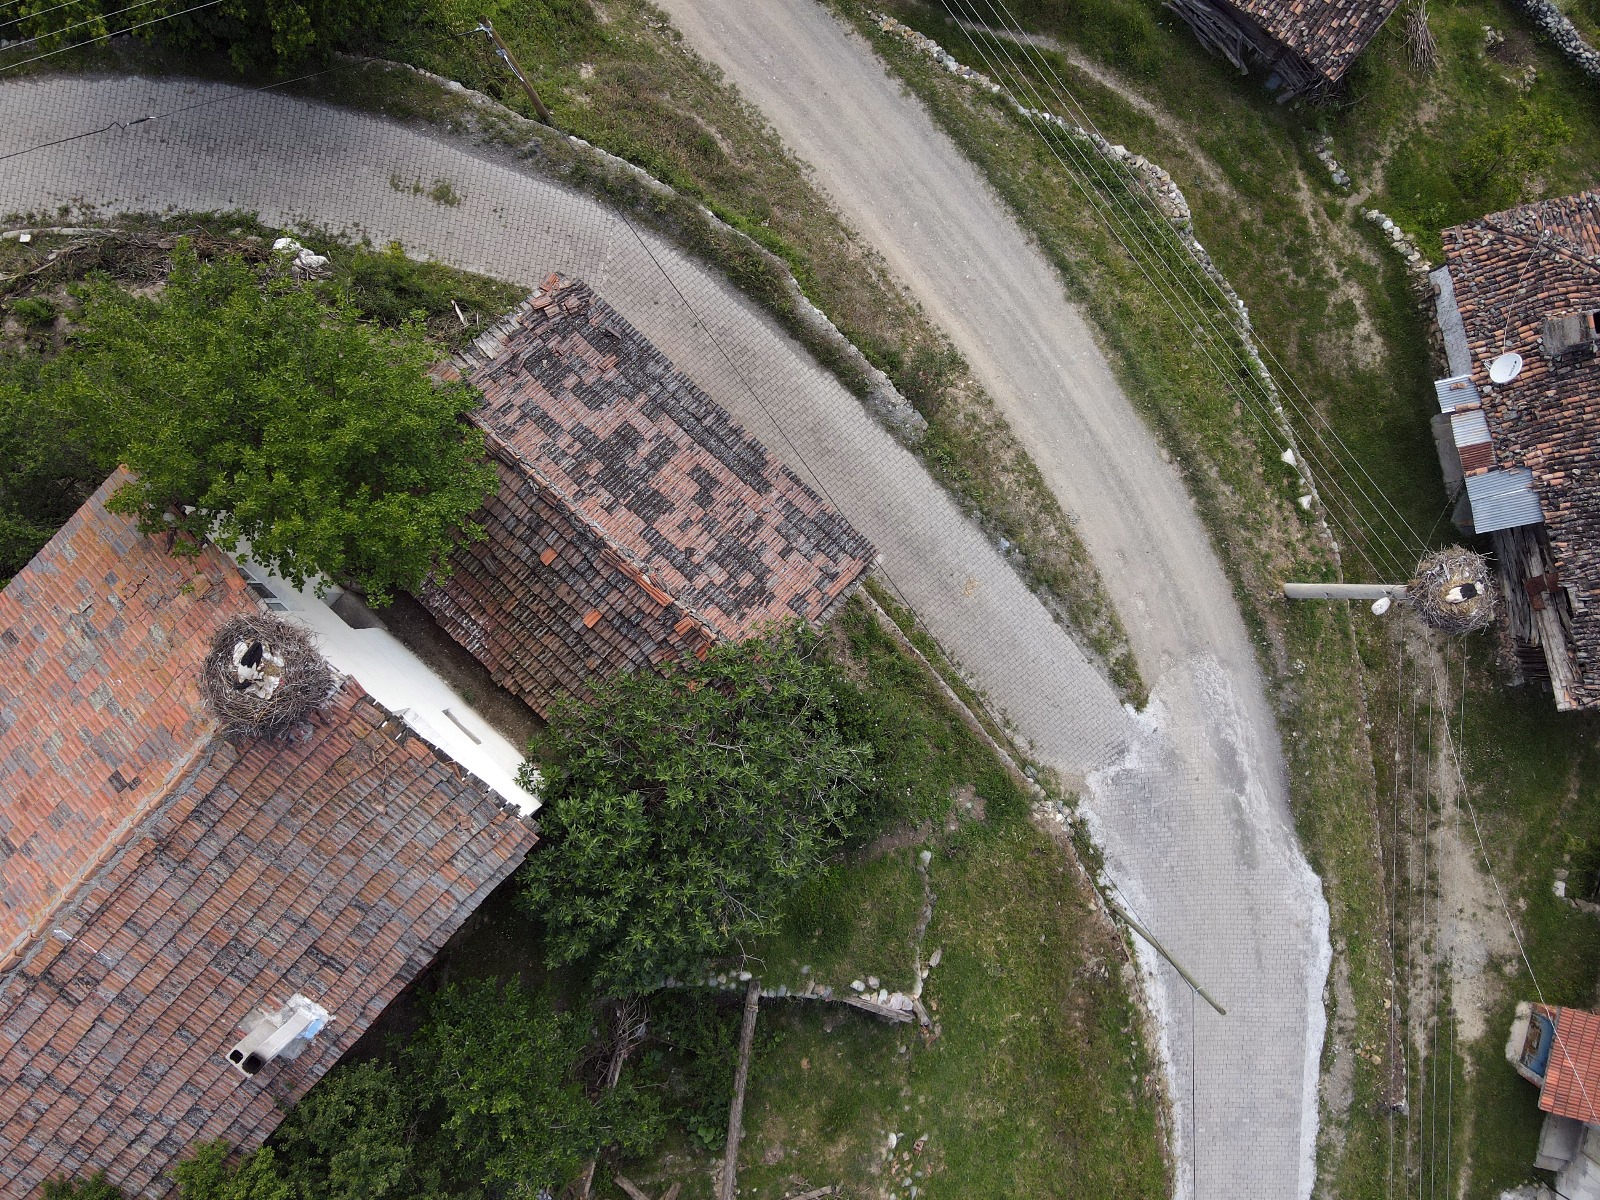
1572 1078
1511 271
334 864
98 702
1327 34
636 522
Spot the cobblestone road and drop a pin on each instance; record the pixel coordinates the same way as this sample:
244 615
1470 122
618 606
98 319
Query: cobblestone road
1188 799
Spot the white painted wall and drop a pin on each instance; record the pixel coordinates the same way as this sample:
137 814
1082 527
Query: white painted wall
402 683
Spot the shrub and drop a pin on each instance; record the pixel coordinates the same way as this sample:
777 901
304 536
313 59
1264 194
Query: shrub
253 407
682 808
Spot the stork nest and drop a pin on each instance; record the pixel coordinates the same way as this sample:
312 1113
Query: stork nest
1453 591
263 675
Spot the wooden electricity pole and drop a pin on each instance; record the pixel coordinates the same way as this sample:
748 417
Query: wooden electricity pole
747 1036
504 52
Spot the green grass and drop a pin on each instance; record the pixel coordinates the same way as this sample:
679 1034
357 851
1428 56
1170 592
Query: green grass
617 75
1038 1082
1245 495
1033 1084
1332 302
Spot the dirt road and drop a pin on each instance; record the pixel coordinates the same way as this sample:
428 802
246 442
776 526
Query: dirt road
1188 798
1196 820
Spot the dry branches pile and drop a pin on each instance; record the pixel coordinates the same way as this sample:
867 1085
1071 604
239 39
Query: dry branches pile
1453 591
263 675
1419 36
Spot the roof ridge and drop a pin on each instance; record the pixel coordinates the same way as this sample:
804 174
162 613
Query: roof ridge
24 948
1552 237
482 351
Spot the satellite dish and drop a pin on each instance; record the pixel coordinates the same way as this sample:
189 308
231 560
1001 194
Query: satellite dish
1505 368
1380 606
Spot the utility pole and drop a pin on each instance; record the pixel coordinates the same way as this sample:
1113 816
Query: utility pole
504 52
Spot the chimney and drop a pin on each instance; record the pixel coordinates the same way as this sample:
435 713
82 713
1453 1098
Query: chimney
1570 334
281 1034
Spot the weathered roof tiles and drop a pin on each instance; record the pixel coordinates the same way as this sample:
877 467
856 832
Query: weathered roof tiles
1511 272
145 919
636 521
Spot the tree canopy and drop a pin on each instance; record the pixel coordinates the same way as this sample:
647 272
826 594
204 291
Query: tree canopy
488 1098
44 466
254 33
251 406
681 809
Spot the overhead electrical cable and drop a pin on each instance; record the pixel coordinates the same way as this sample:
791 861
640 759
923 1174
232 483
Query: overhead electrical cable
105 36
1063 94
1345 509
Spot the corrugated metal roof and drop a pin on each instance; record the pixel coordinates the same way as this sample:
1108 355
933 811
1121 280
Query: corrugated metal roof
1503 500
1456 391
1469 428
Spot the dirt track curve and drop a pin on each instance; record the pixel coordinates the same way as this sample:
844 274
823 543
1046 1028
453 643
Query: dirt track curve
1202 843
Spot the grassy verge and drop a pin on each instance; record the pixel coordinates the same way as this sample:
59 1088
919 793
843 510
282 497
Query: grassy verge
1333 303
1039 1056
1245 495
1037 1082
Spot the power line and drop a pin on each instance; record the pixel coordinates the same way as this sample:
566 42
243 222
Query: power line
1133 188
171 112
35 15
104 36
95 20
1342 509
1505 907
1141 198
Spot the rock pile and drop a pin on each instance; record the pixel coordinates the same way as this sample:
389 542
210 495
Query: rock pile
1324 152
1553 23
1400 242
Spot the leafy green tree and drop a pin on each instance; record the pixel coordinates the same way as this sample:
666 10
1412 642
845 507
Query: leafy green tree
283 33
1499 168
254 407
93 1188
682 808
254 33
349 1138
46 470
207 1176
497 1074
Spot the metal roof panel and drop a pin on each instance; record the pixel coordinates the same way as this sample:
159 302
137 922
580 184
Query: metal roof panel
1469 428
1503 500
1455 392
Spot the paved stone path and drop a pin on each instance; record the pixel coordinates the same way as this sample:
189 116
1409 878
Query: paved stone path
1188 800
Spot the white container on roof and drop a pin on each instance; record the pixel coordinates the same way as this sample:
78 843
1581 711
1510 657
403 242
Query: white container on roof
401 682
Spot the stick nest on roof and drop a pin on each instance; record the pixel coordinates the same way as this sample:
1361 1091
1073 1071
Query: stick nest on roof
1453 591
263 675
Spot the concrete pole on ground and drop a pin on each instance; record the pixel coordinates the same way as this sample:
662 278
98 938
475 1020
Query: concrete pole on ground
1344 591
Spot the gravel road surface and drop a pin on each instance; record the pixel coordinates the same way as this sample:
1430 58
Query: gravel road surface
1196 821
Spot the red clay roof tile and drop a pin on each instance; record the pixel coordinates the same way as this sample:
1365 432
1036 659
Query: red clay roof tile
1511 271
1572 1078
147 921
630 503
